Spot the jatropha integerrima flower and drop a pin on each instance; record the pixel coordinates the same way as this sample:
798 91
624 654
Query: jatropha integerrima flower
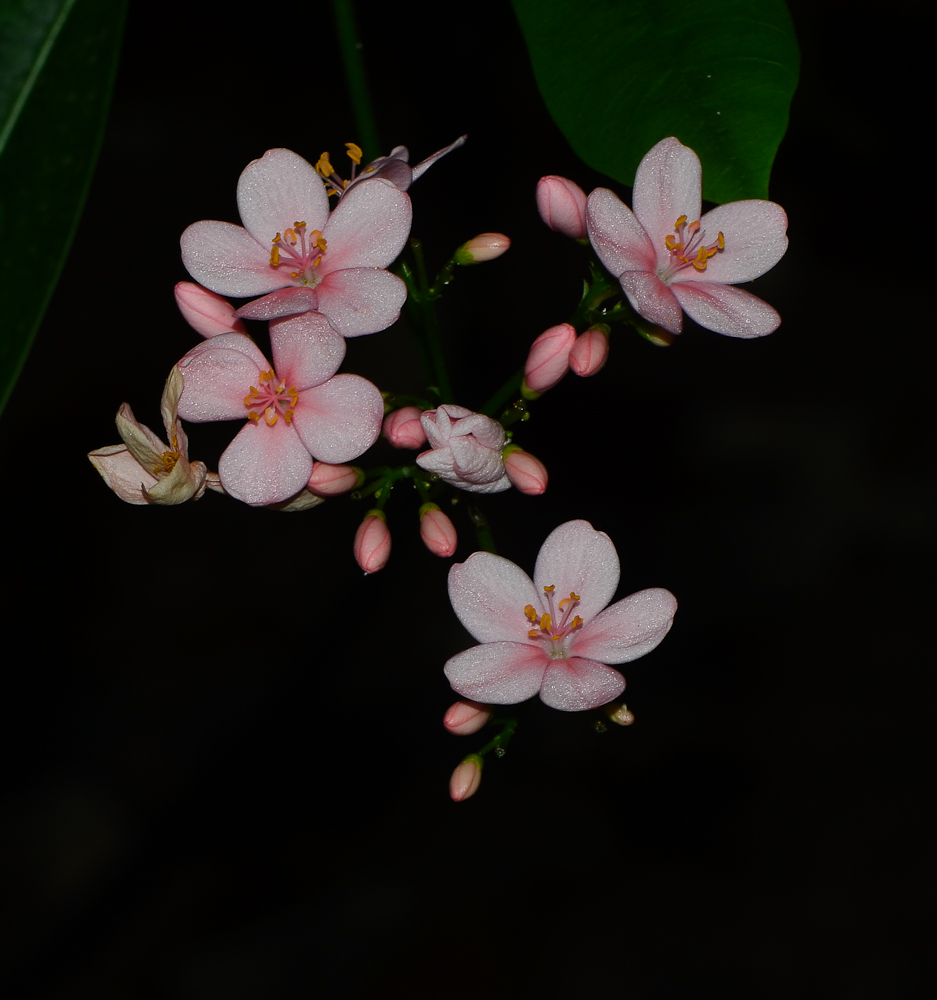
551 635
300 257
669 258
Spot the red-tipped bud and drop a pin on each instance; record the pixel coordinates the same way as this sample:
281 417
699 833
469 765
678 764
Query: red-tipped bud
403 429
466 778
527 474
562 206
487 246
590 352
548 360
466 717
437 531
206 312
372 542
330 480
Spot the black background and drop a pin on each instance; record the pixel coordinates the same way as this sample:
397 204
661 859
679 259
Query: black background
225 772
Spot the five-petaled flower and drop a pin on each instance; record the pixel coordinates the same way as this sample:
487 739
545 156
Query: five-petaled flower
146 470
668 258
465 449
300 257
551 635
297 409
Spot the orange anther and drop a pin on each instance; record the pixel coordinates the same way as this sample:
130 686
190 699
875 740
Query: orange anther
274 257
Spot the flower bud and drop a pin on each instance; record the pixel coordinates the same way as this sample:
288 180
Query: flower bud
548 360
403 429
330 480
527 474
562 206
466 778
657 335
466 717
619 713
487 246
437 531
207 313
372 542
590 352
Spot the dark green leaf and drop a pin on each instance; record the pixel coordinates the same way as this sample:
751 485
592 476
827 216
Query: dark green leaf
57 65
620 75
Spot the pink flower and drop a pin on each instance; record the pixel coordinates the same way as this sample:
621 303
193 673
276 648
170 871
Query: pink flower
482 248
394 168
207 313
372 542
668 258
332 480
296 409
145 470
308 259
562 206
466 717
466 449
466 778
551 636
590 352
403 429
526 472
548 359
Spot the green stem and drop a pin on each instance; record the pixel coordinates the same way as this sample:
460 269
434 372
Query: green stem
500 743
355 77
424 312
483 533
510 390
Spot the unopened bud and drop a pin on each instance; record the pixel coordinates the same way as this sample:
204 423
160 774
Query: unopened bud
207 313
590 352
466 717
548 360
619 713
466 778
487 246
372 542
527 473
437 531
330 480
403 429
562 206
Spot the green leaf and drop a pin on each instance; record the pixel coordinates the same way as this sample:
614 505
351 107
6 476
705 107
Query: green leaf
620 75
57 64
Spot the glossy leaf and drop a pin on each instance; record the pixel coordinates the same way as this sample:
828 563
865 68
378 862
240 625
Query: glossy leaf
619 75
57 64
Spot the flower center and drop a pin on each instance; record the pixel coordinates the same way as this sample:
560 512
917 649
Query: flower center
688 249
299 251
554 626
272 399
167 461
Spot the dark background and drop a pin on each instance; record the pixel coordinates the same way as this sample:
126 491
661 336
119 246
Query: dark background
225 771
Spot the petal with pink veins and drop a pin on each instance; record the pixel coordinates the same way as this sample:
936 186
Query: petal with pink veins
368 228
575 557
498 673
726 309
265 464
628 629
616 235
227 259
306 350
360 300
217 377
652 299
278 190
755 235
577 684
668 184
489 594
340 419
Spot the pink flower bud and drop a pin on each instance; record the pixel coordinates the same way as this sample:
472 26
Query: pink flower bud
487 246
562 206
330 480
527 474
466 778
372 542
437 531
590 352
466 717
548 360
209 314
403 429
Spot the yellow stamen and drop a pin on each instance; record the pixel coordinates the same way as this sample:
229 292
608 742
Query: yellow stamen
679 222
267 413
575 623
253 415
274 257
546 622
721 242
551 588
290 235
299 225
354 152
531 613
323 167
